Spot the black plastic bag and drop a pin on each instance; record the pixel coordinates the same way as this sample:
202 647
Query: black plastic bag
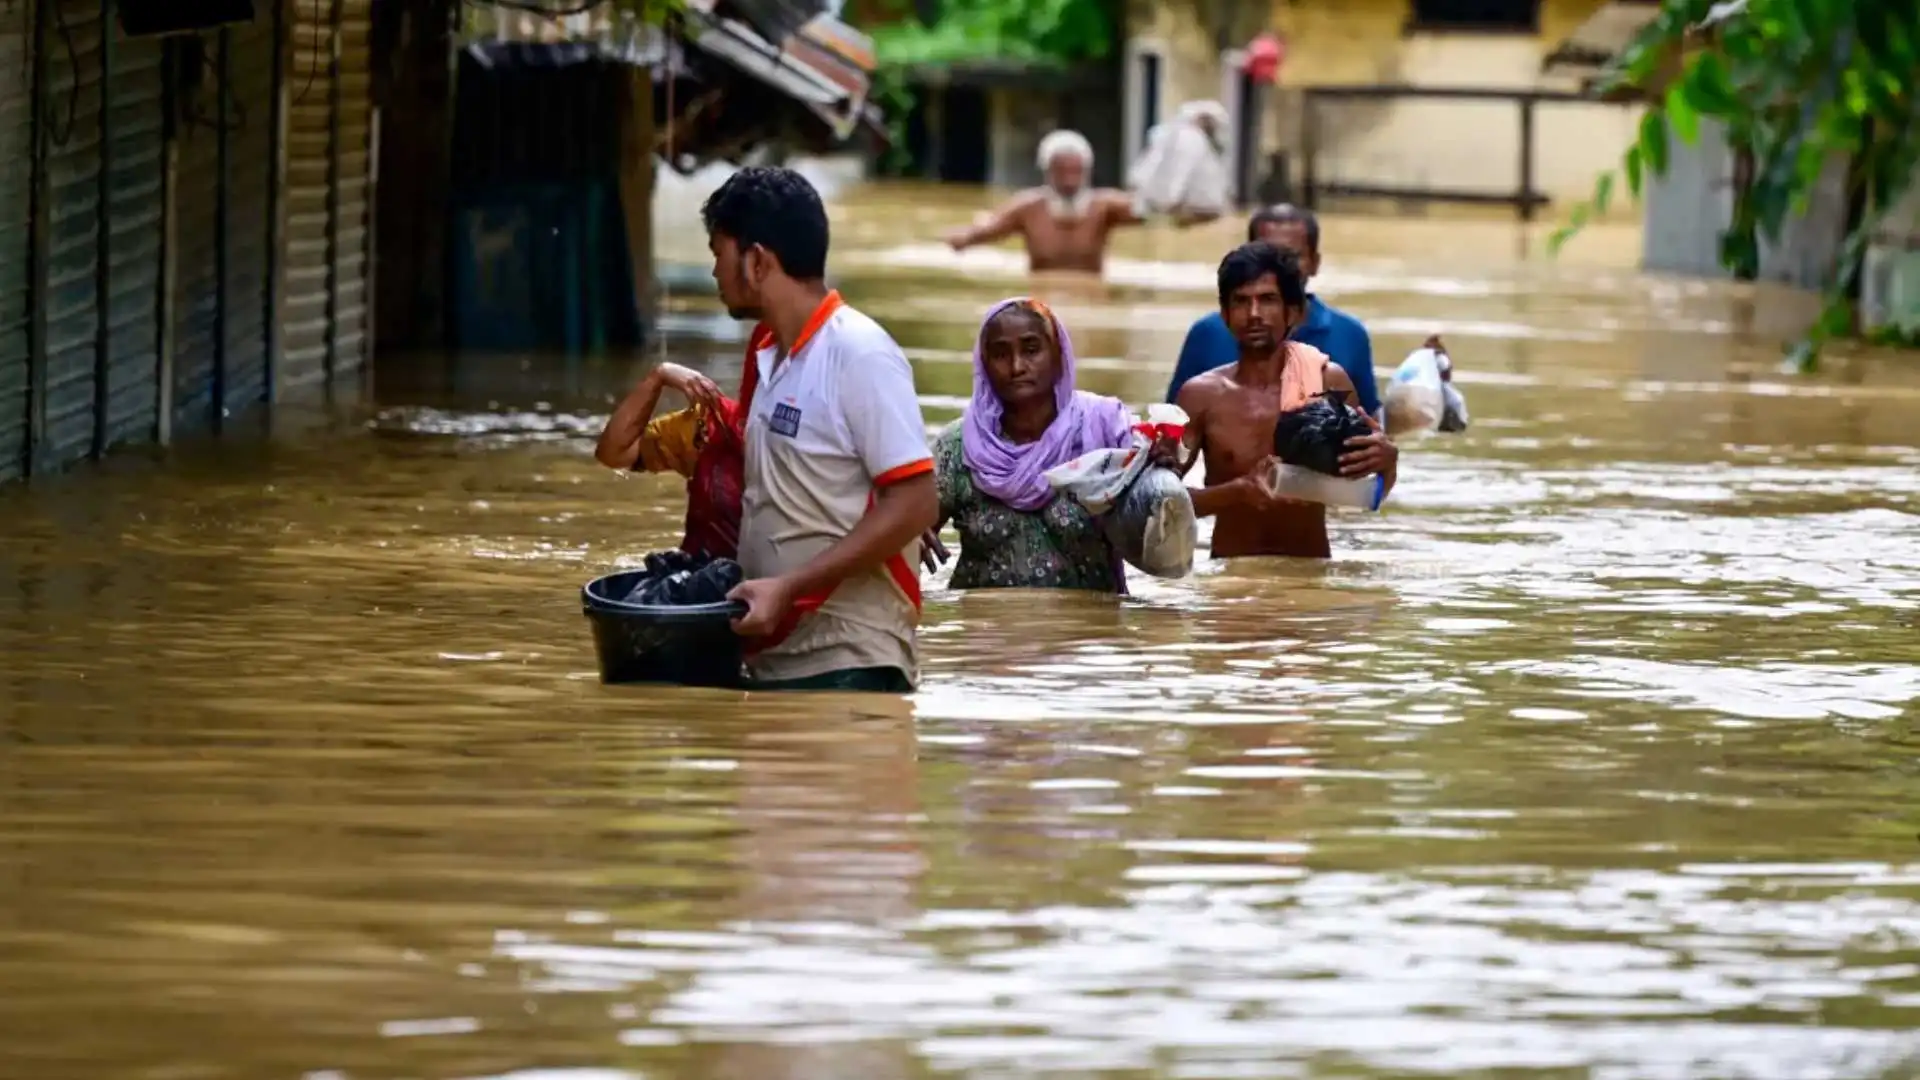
677 579
1314 435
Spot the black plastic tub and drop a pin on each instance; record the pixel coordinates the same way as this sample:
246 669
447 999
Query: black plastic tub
643 643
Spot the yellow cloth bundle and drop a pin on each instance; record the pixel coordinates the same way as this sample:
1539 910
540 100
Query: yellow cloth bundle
672 442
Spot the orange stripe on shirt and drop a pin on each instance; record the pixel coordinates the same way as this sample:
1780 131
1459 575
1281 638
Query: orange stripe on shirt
904 472
904 577
824 311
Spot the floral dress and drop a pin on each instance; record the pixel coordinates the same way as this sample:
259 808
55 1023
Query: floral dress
1059 546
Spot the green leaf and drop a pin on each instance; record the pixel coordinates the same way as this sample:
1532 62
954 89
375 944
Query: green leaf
1710 86
1633 171
1680 113
1653 141
1602 192
1560 237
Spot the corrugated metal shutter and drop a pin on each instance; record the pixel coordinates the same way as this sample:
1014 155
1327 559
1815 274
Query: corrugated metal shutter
250 112
16 232
136 181
326 325
196 283
70 304
309 218
352 219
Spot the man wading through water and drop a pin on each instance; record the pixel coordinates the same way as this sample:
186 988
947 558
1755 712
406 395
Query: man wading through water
839 482
1232 410
1066 222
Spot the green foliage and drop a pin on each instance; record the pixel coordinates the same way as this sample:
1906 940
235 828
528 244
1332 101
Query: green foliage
1043 32
1798 82
1036 33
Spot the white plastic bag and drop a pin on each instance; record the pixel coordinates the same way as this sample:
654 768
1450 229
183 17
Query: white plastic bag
1146 510
1183 168
1148 162
1416 396
1421 396
1454 416
1294 482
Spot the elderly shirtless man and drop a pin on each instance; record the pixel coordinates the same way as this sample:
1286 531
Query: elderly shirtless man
1065 222
1232 411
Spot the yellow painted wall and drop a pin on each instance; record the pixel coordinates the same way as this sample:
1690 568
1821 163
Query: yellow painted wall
1452 144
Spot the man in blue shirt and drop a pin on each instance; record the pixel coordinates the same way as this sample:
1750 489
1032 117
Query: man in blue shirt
1211 345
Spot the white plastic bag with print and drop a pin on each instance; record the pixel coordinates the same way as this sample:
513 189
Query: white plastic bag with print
1145 509
1421 395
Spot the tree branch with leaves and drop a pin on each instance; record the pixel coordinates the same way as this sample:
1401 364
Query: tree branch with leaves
1797 84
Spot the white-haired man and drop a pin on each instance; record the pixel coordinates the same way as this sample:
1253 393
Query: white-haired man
1066 221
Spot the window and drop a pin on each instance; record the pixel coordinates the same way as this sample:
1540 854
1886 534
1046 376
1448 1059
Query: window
1476 16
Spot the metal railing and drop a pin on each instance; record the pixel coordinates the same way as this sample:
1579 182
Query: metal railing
1525 197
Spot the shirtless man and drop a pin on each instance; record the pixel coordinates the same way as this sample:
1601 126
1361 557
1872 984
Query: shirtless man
1231 411
1065 222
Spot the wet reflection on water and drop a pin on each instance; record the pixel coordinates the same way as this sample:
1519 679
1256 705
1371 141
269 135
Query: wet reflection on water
1592 757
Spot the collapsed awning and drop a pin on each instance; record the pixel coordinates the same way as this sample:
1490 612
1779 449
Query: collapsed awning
719 61
825 64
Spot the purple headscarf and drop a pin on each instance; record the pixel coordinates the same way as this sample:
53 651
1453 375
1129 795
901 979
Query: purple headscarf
1011 472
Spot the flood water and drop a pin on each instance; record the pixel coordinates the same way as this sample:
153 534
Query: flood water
1593 756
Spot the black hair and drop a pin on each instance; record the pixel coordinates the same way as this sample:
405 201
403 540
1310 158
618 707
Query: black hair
1249 262
1286 214
777 209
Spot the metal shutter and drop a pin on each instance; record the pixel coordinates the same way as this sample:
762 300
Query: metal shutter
196 201
352 217
326 324
307 249
136 191
250 108
16 233
69 304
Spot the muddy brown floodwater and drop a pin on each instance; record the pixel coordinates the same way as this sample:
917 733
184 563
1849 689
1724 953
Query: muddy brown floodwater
1592 757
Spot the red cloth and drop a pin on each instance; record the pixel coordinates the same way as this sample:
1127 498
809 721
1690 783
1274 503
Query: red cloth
714 489
720 473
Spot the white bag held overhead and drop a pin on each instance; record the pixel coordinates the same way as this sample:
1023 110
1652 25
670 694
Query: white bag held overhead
1184 167
1421 395
1146 510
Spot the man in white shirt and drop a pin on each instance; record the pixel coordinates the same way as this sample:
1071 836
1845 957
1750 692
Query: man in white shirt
839 480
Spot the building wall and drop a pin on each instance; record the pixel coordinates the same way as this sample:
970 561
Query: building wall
1890 279
1688 208
1406 141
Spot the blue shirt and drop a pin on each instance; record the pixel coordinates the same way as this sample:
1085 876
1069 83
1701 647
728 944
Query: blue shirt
1210 345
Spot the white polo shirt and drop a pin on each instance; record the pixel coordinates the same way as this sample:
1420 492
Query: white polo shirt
829 425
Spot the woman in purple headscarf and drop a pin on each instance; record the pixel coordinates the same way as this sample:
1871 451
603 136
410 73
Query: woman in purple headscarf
1025 418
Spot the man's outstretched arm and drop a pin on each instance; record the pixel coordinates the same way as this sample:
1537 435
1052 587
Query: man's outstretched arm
996 226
